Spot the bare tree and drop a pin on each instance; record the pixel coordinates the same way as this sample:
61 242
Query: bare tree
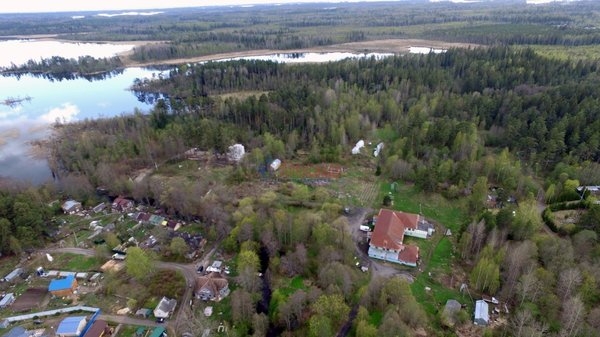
290 312
568 281
193 322
242 306
593 318
518 258
529 286
260 324
572 315
519 321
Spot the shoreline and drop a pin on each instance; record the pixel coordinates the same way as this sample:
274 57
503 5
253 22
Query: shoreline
396 46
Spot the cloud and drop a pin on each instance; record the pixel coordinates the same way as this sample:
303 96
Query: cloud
62 114
11 112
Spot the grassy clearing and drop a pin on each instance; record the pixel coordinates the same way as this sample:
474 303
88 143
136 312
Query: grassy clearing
575 53
408 198
127 331
243 95
73 262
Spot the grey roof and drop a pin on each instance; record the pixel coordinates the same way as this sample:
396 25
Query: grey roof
165 306
481 313
70 204
13 274
17 331
7 299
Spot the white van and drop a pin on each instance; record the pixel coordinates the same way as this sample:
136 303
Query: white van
364 228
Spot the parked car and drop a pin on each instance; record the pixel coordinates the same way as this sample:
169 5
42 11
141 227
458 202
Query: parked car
200 269
160 320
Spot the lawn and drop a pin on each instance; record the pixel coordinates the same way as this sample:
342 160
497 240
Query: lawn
408 198
433 286
438 266
74 262
128 331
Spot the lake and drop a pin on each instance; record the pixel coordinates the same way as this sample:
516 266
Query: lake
21 51
52 101
63 101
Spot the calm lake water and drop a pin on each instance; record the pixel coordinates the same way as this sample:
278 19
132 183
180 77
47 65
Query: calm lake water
78 99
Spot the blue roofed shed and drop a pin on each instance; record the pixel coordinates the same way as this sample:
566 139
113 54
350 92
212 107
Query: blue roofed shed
63 286
71 326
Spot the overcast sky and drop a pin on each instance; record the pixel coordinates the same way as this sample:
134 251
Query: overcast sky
21 6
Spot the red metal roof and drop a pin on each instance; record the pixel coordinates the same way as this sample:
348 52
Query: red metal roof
409 254
390 227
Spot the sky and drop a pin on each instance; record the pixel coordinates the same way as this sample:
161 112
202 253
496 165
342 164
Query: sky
23 6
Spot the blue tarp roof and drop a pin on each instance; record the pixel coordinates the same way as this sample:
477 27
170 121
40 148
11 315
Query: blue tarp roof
69 325
61 284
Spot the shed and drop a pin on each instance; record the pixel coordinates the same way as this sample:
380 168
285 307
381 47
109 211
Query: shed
97 329
71 326
143 312
12 276
17 331
71 206
7 300
158 332
165 307
63 287
275 164
482 316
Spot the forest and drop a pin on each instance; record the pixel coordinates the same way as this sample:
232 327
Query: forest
497 138
457 124
192 32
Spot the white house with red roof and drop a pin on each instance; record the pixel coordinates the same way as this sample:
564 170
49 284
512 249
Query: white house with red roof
387 239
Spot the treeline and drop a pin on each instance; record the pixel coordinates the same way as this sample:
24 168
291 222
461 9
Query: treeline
519 34
203 31
60 68
25 218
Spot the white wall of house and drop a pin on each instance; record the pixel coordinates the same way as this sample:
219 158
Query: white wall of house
390 256
417 233
386 255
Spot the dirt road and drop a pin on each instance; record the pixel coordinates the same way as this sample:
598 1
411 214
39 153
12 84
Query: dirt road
188 271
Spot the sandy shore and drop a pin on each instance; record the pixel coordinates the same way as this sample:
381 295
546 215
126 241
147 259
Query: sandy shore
396 46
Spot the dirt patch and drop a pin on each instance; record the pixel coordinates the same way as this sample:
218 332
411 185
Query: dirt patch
316 171
567 217
31 298
112 265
